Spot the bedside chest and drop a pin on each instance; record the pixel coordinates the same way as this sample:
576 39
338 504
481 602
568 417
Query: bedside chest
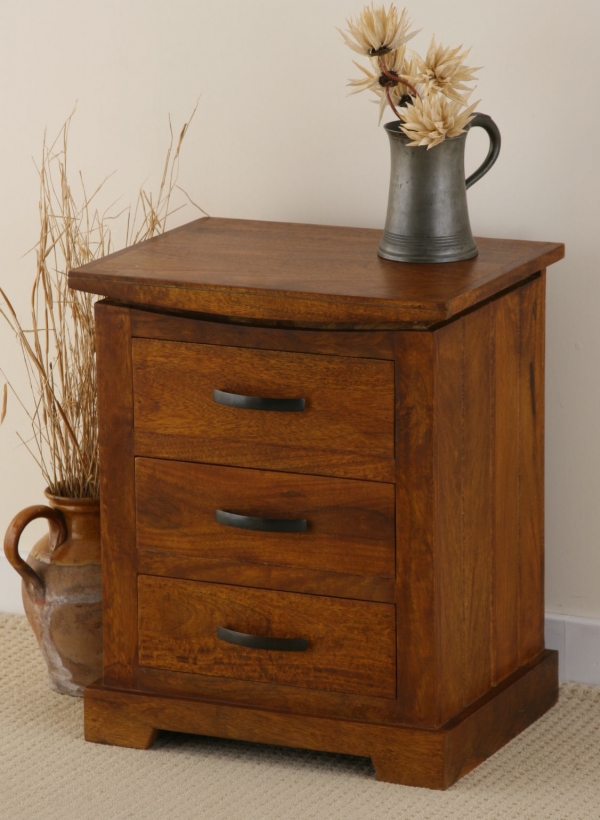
322 495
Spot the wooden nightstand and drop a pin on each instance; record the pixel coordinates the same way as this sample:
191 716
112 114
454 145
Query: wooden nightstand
322 495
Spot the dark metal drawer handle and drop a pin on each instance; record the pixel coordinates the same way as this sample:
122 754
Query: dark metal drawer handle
249 522
258 403
260 642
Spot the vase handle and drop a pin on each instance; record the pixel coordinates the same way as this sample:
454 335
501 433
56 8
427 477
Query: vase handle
493 132
58 534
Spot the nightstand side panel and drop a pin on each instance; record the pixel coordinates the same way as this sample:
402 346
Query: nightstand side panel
531 469
415 590
117 494
488 495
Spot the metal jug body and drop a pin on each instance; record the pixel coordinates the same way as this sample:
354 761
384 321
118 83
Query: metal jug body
428 214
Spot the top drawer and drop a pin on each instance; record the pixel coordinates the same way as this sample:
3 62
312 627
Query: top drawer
346 426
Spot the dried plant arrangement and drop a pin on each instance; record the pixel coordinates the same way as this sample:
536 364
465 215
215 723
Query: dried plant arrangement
430 95
57 342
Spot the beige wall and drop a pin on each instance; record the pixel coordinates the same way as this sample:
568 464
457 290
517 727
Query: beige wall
277 138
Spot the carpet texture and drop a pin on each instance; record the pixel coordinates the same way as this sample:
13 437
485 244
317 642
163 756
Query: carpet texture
47 770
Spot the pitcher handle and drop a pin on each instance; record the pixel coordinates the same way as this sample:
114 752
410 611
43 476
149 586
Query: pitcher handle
493 132
58 534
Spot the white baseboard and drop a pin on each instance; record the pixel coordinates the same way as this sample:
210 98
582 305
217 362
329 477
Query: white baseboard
578 644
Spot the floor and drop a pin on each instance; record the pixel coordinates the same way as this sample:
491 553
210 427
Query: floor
47 770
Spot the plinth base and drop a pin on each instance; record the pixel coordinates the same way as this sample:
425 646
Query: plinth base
431 758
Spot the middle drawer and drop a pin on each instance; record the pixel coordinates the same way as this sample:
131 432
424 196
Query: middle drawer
239 514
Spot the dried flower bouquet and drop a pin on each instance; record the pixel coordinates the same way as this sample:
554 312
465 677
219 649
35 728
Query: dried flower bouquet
429 96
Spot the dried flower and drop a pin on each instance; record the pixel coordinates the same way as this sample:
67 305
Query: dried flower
391 86
396 96
370 81
393 66
378 31
429 96
407 77
432 119
443 71
374 77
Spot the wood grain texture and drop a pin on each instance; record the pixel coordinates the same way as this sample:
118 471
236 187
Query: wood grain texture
479 466
287 698
150 325
305 274
415 597
350 524
482 475
111 722
531 470
351 644
117 493
348 421
477 472
506 485
236 453
409 756
265 576
450 558
500 715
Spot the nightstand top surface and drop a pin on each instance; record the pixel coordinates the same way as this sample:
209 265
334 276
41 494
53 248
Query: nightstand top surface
305 275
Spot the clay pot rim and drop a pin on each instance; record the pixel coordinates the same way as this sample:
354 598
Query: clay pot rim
80 505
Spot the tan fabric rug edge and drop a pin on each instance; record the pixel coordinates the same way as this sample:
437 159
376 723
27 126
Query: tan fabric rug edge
47 770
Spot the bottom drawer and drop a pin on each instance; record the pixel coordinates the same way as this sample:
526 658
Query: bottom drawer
338 645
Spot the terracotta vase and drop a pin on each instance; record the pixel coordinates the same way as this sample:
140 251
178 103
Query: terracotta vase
62 588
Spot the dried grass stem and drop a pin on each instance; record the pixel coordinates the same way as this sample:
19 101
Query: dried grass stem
57 343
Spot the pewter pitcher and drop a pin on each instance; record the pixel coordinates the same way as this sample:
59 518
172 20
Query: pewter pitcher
428 216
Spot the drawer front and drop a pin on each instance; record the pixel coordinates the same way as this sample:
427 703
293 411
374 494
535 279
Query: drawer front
347 406
343 525
350 645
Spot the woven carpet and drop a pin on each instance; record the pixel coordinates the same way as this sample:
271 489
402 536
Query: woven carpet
47 770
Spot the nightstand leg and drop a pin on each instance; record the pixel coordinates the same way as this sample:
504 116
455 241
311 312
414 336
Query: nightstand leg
406 769
112 723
